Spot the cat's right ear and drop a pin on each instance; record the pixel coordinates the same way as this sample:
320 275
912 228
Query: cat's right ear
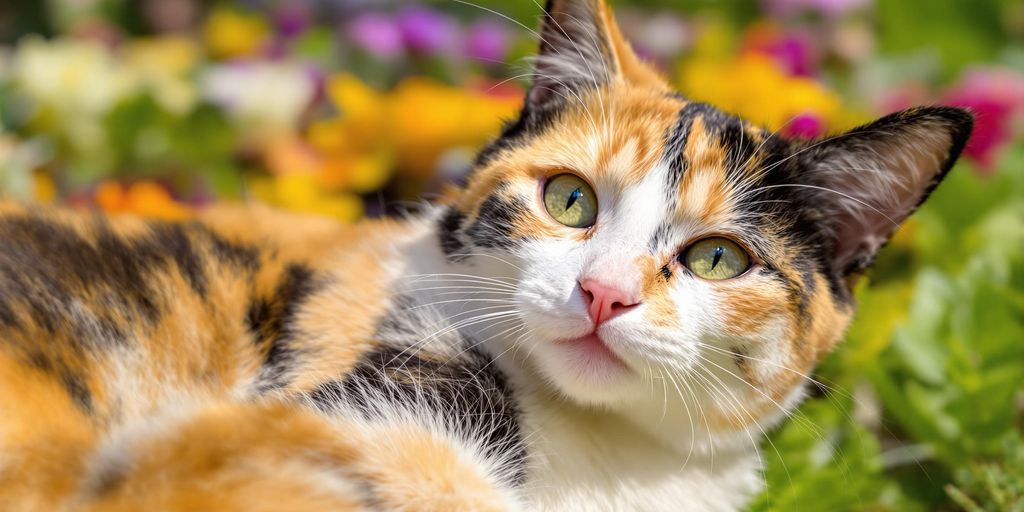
581 48
575 52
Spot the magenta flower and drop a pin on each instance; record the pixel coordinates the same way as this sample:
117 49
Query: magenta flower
996 96
427 31
487 41
793 52
291 19
805 126
377 34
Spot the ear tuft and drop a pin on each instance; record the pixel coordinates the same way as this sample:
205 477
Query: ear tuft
873 177
575 51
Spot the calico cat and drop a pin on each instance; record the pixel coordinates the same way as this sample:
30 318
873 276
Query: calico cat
631 288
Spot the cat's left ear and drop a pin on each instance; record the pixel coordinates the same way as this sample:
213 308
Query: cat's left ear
870 179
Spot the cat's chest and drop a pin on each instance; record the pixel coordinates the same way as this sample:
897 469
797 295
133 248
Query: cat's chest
607 465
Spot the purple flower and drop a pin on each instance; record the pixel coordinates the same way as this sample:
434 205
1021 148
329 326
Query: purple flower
377 34
487 41
426 31
291 20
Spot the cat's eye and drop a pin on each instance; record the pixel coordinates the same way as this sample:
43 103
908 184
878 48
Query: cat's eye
716 258
571 201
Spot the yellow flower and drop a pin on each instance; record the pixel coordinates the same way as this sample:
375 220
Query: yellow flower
302 193
754 88
144 198
431 118
229 33
419 120
44 190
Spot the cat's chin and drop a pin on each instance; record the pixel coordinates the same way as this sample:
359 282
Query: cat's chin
587 370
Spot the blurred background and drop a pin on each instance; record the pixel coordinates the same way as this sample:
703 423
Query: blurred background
353 108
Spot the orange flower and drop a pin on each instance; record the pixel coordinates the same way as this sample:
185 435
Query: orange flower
144 198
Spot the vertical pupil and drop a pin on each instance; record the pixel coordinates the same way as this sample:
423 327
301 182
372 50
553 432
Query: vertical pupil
573 196
719 251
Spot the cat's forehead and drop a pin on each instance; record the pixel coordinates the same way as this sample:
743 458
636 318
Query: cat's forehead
618 136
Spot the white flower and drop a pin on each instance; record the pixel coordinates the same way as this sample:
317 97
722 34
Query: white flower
71 83
71 76
264 98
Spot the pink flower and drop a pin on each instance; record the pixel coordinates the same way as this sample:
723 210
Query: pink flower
805 126
996 96
427 31
793 52
377 34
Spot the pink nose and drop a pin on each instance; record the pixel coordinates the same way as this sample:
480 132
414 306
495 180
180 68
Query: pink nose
604 301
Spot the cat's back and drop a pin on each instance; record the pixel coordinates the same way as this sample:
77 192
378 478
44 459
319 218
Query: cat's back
160 357
91 300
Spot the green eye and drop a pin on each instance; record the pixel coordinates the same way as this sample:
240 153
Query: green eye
716 258
570 201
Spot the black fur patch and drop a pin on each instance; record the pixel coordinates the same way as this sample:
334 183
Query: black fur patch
492 227
448 229
675 144
466 392
173 241
532 122
78 391
446 377
665 272
48 269
728 130
271 322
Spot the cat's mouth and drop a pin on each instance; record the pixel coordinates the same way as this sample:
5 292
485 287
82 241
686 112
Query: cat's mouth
591 355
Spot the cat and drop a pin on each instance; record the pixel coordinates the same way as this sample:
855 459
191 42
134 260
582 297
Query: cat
631 288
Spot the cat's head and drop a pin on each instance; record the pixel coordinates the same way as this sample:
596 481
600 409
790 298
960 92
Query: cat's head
655 241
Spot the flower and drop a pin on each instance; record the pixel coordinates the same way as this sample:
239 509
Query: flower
291 19
264 99
426 31
70 85
793 52
229 33
754 87
144 198
301 192
996 97
377 34
805 126
486 41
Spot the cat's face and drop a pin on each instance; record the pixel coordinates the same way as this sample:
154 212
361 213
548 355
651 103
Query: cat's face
655 241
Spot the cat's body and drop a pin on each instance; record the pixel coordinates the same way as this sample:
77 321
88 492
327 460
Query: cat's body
131 330
630 290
